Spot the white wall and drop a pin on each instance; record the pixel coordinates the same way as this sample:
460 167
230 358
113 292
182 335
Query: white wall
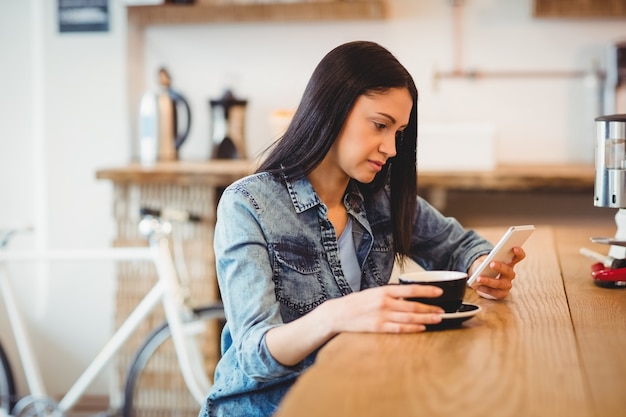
537 120
64 116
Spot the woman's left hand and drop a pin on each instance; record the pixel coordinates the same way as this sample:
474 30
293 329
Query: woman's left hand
497 288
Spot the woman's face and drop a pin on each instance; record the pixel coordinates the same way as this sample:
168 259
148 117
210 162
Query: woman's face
368 137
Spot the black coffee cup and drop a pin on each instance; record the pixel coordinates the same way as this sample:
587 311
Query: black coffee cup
452 283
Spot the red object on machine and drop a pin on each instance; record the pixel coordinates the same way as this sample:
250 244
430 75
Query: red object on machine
608 277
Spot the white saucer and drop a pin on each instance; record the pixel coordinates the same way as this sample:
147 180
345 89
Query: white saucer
465 312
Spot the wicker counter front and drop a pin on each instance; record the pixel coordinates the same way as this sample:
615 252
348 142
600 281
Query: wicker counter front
182 185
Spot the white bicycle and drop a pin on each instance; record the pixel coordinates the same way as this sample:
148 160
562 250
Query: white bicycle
184 325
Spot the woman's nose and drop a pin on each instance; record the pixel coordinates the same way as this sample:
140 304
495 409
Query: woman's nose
388 146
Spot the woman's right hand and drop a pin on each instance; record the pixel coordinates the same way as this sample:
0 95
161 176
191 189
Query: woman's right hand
381 310
384 310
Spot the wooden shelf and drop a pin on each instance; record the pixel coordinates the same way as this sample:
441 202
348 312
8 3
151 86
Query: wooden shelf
518 178
511 178
570 178
171 14
579 8
217 173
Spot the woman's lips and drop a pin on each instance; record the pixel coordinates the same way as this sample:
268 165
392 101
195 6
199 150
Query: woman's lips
377 165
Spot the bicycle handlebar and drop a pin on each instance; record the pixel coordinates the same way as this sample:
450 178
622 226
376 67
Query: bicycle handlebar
7 234
171 214
168 214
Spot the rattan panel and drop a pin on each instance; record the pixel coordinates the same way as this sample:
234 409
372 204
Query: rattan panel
162 388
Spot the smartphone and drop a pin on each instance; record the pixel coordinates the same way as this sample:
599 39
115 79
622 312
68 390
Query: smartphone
503 251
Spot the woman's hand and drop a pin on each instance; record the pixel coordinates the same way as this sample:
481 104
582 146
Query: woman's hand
385 310
497 288
380 309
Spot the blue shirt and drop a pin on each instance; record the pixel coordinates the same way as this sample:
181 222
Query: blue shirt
347 256
277 259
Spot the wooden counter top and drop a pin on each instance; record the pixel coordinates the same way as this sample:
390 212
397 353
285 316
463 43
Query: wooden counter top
599 320
554 347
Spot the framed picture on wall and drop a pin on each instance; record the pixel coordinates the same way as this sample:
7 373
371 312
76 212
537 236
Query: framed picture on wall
83 15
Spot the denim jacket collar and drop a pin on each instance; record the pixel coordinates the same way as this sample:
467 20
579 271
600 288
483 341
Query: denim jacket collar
302 194
304 197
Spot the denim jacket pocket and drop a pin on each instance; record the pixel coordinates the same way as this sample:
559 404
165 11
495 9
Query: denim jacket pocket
297 276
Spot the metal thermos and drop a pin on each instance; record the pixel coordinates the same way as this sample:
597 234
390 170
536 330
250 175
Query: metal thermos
164 123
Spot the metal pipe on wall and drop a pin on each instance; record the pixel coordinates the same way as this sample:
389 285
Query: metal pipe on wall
459 72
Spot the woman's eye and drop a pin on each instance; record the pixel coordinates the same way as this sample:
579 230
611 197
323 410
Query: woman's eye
380 126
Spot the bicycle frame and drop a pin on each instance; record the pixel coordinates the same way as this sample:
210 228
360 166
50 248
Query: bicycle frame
167 289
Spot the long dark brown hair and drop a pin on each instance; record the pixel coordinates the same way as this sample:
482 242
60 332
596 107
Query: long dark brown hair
344 74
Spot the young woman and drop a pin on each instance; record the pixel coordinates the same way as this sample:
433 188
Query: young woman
306 246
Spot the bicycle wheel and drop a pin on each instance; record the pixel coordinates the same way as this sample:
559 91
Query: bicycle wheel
154 386
7 387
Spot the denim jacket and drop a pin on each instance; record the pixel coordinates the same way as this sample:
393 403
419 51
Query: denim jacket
277 260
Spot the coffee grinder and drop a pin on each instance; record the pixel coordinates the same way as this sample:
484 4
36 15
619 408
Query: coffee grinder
610 191
610 165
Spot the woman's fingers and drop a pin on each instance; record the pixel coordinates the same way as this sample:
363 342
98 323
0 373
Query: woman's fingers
412 291
387 309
